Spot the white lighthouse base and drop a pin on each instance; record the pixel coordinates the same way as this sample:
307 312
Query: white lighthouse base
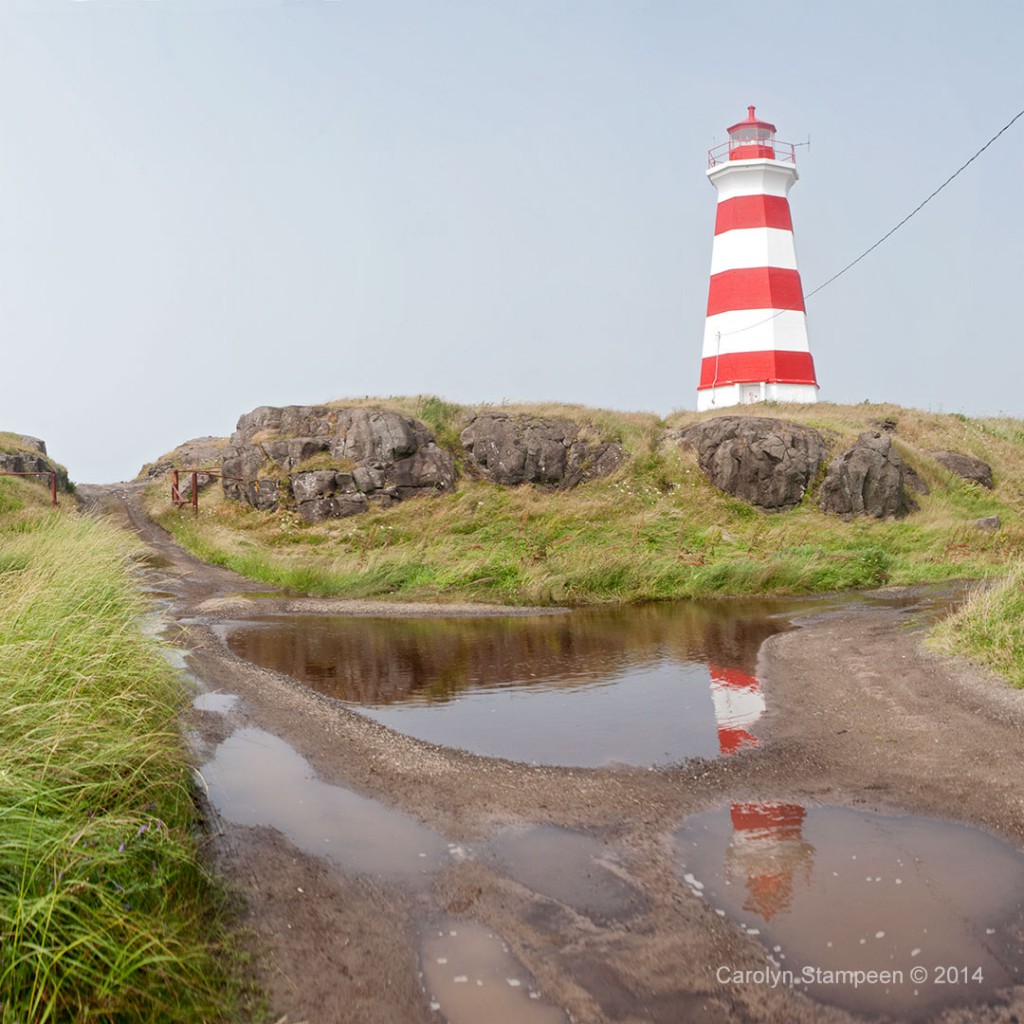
725 395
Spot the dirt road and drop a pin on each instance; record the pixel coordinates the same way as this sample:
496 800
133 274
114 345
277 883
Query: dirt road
859 716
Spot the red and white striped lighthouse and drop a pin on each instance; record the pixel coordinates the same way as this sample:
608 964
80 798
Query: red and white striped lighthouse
755 335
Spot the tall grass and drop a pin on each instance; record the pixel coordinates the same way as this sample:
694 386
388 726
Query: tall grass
105 911
988 627
657 529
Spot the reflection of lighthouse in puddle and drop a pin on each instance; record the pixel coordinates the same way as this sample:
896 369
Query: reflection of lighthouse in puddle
739 703
768 851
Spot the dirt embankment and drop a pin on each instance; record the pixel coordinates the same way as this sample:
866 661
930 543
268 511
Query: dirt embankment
859 715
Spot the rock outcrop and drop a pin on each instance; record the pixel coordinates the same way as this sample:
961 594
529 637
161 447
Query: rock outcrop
27 454
912 480
768 462
866 480
197 454
967 466
329 462
515 449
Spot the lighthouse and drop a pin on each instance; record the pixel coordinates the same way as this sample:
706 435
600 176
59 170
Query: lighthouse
755 335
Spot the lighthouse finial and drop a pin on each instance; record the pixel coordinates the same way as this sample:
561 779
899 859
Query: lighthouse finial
750 114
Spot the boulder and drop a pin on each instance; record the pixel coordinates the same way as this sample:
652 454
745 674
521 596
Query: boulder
912 479
32 444
988 523
966 466
361 455
866 480
199 453
768 462
27 455
324 494
516 449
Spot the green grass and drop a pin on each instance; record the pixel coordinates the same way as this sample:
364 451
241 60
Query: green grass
105 911
988 628
656 530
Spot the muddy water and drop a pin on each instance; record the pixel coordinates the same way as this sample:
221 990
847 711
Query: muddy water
215 702
829 888
635 685
255 778
568 867
647 685
471 976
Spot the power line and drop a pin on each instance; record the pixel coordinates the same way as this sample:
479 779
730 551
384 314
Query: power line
920 206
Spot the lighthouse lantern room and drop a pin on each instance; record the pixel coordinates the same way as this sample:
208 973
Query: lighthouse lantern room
755 335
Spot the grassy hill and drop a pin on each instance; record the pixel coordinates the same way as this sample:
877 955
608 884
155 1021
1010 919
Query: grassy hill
656 529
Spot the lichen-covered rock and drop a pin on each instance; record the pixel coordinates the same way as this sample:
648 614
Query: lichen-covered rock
912 480
199 453
28 455
767 462
988 523
32 444
324 494
516 449
967 466
866 480
372 455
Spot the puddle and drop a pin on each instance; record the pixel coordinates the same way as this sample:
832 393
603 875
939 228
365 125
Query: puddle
636 686
174 656
219 703
471 976
152 560
642 685
255 778
566 866
833 889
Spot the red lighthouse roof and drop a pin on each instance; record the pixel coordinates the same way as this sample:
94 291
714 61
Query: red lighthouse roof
751 139
751 122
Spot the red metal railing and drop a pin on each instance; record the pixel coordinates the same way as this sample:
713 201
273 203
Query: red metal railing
785 152
213 474
40 472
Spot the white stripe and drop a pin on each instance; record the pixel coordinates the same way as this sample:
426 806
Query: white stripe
736 707
752 178
755 330
753 247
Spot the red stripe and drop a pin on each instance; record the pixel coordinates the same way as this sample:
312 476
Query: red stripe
753 212
772 366
730 740
755 288
734 677
780 821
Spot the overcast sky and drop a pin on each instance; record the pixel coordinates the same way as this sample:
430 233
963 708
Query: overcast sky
210 205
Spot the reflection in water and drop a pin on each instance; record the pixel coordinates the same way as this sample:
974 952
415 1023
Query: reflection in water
739 703
255 778
471 976
767 849
844 890
432 660
590 688
767 853
599 686
574 869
